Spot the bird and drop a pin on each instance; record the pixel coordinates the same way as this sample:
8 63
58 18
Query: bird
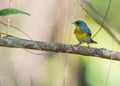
82 32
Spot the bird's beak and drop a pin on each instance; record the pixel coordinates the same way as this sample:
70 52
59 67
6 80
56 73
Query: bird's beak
73 22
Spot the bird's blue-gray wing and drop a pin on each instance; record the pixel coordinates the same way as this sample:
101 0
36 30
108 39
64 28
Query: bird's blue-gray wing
86 29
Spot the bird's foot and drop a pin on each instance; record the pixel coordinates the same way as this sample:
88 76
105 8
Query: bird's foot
88 45
77 45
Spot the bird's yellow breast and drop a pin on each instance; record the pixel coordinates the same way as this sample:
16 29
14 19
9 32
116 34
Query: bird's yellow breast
80 33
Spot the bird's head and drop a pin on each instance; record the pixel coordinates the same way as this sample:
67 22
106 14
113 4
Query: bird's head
79 23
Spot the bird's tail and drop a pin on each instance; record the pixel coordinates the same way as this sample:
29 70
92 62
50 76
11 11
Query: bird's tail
92 41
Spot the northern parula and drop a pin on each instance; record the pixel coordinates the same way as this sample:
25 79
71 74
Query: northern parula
82 32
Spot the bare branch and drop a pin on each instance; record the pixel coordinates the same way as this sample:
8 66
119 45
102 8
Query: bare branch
14 42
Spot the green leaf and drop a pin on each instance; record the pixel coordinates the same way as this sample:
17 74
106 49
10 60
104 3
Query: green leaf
11 11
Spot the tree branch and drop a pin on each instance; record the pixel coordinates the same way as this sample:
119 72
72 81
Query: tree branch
13 42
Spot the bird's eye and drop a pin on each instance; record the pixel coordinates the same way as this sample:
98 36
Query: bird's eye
77 23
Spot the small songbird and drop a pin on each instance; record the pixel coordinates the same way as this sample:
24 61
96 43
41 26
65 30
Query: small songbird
82 32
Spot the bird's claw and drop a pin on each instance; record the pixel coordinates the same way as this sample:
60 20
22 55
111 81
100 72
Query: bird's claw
77 45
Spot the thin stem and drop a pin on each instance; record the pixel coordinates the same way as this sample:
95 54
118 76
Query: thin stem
106 14
8 20
64 36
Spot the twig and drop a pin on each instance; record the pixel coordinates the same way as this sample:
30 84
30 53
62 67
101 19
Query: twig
58 47
100 22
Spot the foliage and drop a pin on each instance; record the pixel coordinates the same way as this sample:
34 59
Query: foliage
11 11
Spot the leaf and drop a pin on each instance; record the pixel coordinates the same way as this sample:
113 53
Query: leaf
11 11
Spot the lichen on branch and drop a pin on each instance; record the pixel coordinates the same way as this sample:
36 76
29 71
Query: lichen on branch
13 42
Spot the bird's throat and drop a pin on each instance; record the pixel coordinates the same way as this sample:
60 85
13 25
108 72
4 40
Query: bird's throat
76 26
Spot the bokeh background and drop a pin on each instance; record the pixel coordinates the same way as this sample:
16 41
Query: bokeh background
50 21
